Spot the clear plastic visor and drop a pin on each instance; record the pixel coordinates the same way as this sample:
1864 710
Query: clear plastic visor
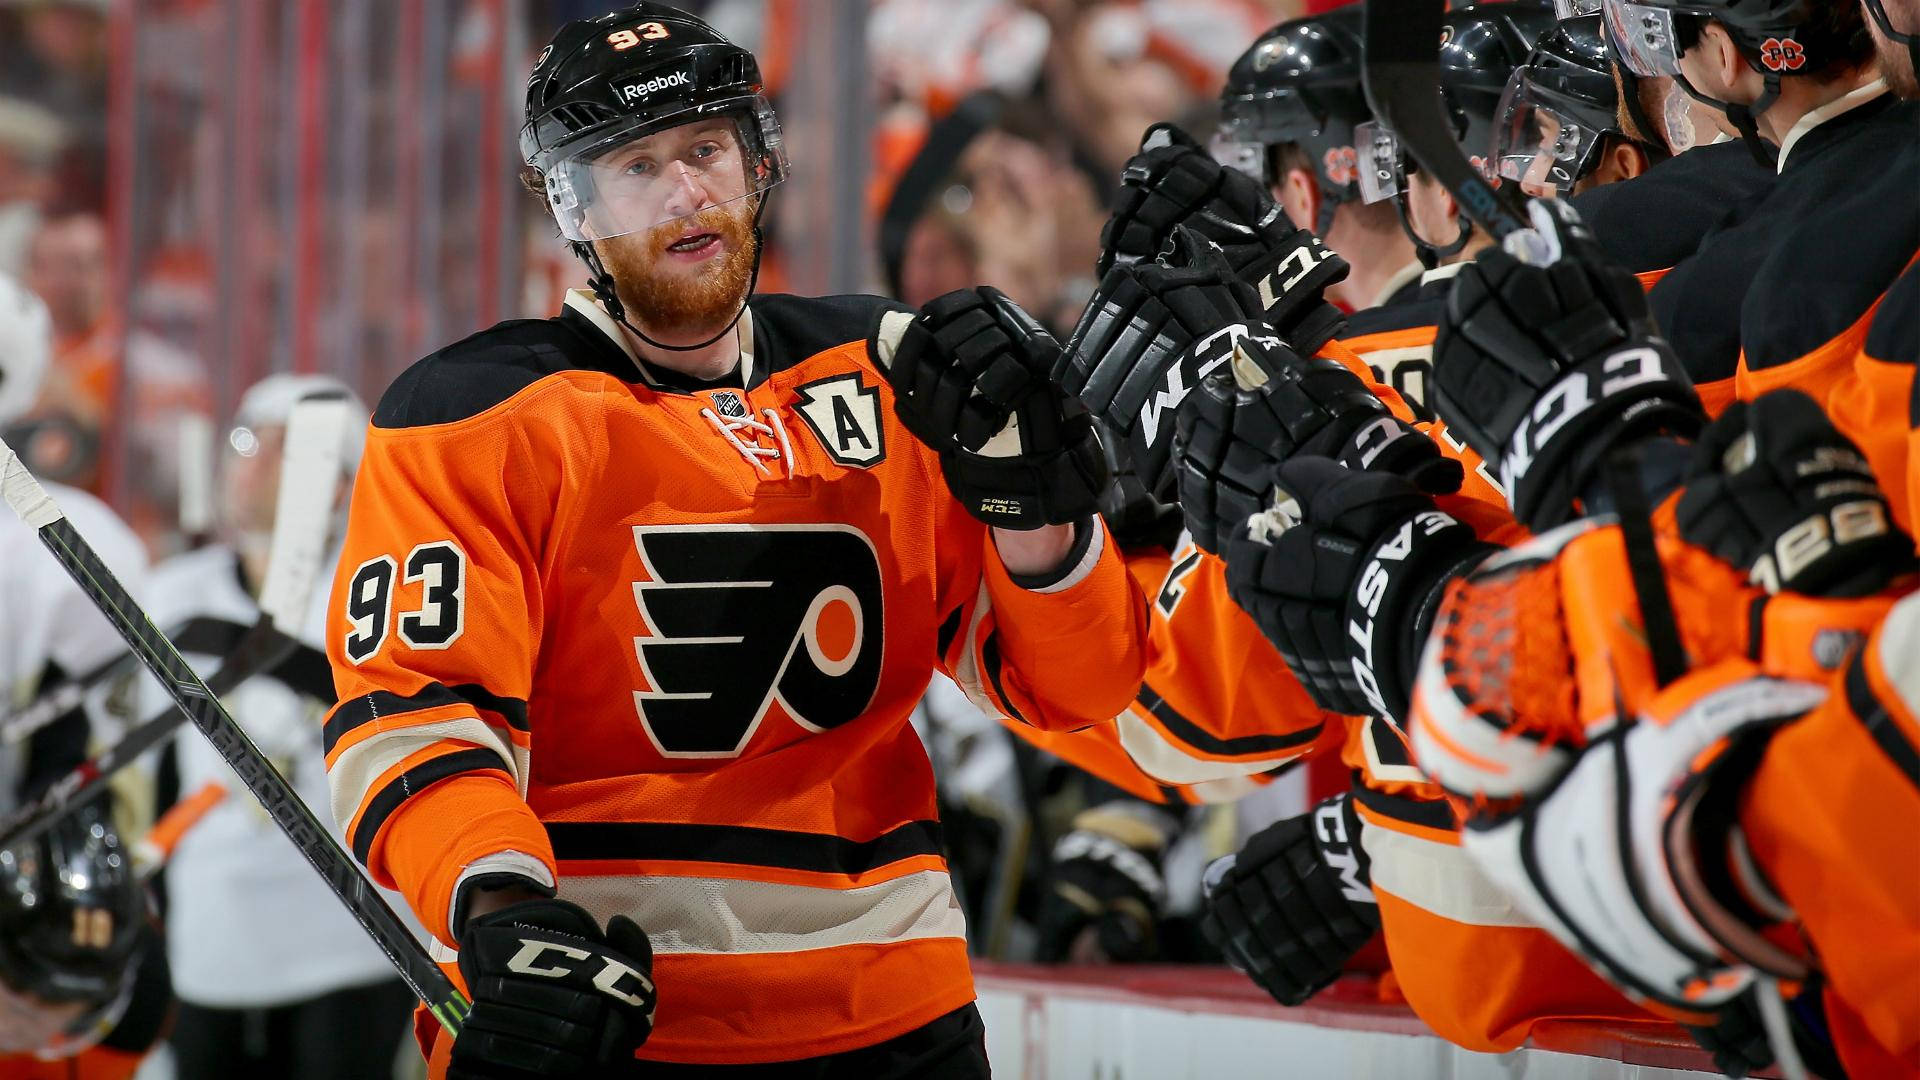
1542 150
1643 38
1246 157
1572 9
624 183
1379 161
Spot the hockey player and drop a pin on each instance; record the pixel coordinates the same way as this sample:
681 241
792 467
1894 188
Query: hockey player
1778 298
1287 117
257 996
1483 45
83 975
66 1006
636 602
1557 130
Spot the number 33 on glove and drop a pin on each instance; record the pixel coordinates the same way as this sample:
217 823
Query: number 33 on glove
971 379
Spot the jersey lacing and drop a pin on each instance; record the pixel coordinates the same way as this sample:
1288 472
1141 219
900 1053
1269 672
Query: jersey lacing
731 427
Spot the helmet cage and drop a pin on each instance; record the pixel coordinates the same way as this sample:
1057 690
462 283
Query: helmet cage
1539 141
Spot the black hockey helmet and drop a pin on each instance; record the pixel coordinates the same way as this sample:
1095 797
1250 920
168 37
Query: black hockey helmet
1558 110
1298 83
71 912
1777 38
1481 46
605 83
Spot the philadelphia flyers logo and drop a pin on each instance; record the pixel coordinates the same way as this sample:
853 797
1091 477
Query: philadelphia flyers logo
747 622
1341 164
1782 54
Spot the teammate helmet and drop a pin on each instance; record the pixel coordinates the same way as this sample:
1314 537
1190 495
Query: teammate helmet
1777 37
1558 109
1299 83
26 348
71 910
270 402
1480 47
603 84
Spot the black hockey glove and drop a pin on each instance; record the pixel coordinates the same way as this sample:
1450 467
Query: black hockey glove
1775 489
553 996
1152 330
1173 182
1741 1046
1135 519
1342 574
1546 370
1294 905
1268 404
1106 876
971 379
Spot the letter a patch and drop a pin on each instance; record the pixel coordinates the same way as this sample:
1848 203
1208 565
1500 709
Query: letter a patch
845 416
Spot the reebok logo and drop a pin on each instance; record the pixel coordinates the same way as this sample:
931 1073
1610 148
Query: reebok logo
640 91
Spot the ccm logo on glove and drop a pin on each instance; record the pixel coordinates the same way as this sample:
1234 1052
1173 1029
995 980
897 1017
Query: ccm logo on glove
526 962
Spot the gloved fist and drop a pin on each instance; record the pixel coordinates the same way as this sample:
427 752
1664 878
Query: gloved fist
1342 574
1775 489
1267 404
1105 878
1135 518
971 380
1546 369
1294 905
1174 183
1148 334
553 996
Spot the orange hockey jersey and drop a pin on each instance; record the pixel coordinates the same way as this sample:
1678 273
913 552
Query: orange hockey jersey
657 647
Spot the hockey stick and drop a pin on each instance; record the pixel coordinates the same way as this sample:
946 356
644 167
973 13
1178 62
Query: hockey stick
1400 72
30 501
309 475
19 726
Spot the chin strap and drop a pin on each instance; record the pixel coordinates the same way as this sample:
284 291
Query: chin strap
1745 117
608 295
1324 219
1430 254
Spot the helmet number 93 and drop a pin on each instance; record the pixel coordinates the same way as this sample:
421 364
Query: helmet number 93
622 40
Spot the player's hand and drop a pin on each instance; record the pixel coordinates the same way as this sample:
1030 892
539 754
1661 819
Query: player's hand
972 380
1545 370
1174 183
1775 489
1104 886
1135 518
1340 573
1262 404
1151 331
1294 905
553 996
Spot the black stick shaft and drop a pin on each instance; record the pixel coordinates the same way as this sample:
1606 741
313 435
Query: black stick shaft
202 705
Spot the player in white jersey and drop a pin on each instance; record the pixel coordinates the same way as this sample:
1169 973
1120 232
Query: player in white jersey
51 634
274 977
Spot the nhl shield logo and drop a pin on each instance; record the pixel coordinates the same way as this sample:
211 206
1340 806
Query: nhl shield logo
844 414
728 404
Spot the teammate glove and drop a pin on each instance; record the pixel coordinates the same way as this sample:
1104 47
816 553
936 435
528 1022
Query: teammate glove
553 996
1776 490
1342 575
971 380
1268 404
1105 876
1546 369
1151 331
1173 182
1135 519
1294 905
1615 857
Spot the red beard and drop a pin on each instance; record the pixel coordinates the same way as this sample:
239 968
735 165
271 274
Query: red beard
684 304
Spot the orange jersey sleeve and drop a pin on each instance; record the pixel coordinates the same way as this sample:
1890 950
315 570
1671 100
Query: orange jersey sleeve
1821 819
431 726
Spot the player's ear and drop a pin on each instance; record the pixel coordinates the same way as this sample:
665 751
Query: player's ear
1299 196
